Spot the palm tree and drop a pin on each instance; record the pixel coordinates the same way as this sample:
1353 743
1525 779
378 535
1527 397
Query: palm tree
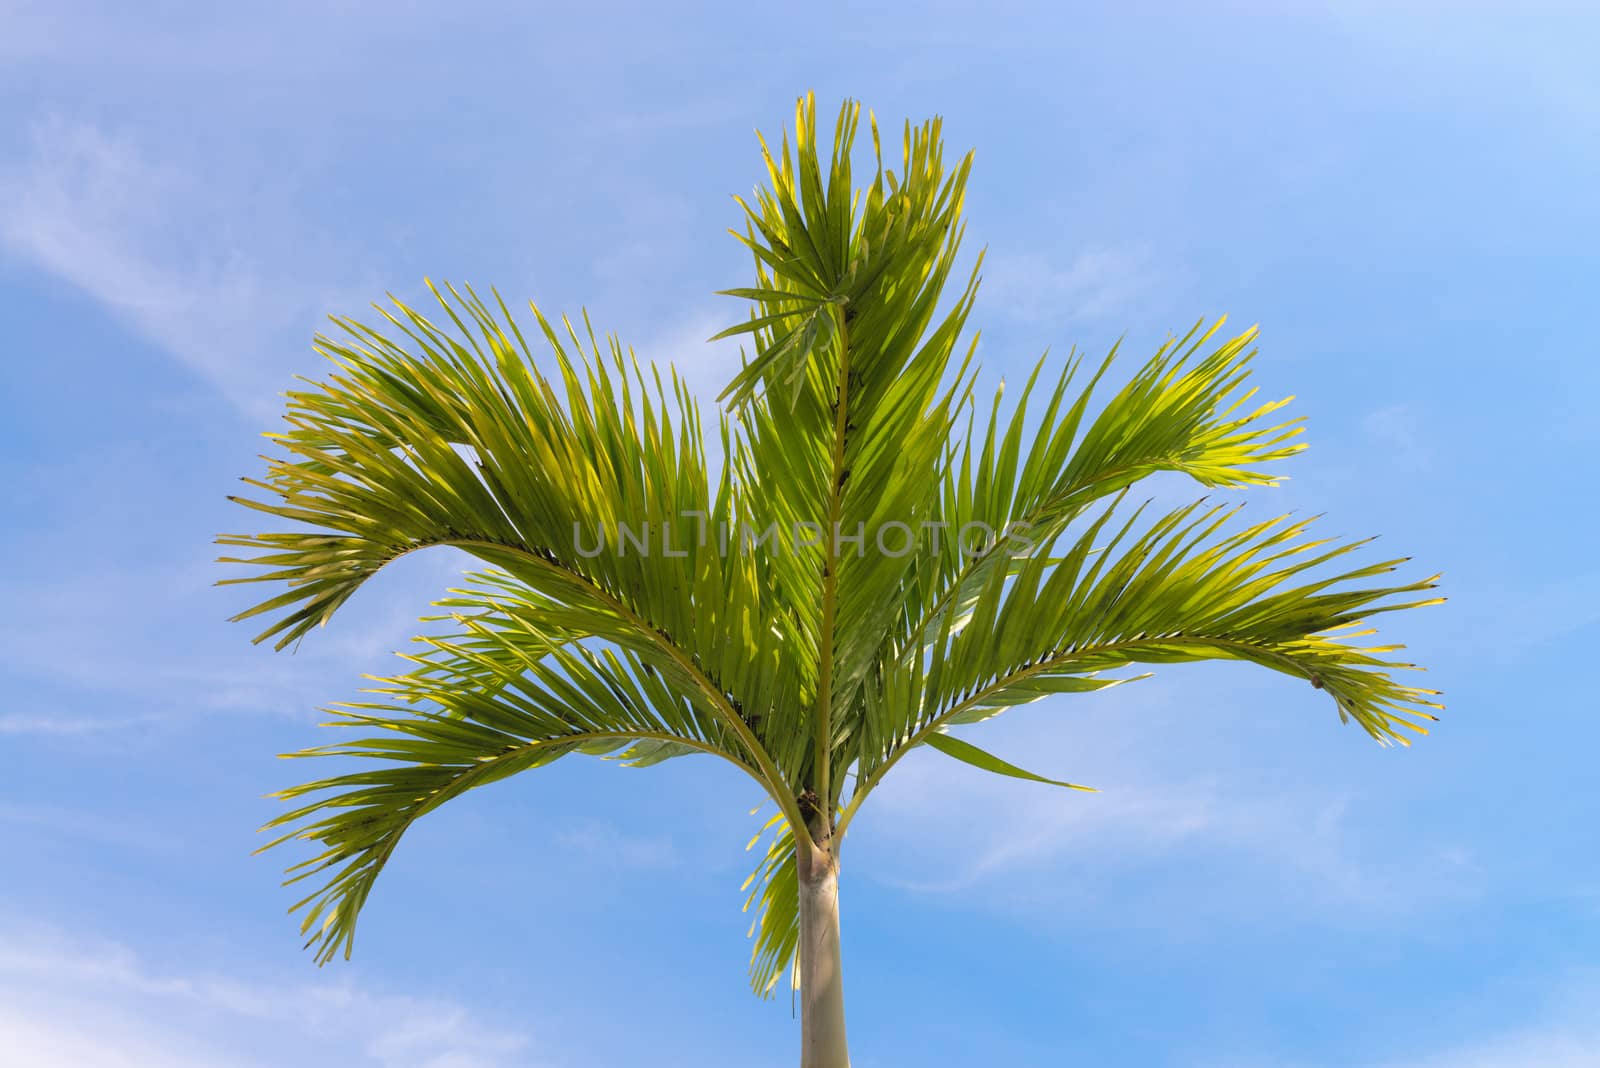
858 574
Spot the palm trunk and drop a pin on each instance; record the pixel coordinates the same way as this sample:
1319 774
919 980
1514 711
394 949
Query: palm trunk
822 1041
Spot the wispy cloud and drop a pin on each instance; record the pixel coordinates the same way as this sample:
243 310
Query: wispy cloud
69 1004
1562 1033
114 829
166 252
121 674
1093 285
706 367
940 827
37 723
1396 429
1555 1047
1502 621
603 843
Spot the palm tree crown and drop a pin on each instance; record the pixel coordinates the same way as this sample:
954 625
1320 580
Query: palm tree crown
863 570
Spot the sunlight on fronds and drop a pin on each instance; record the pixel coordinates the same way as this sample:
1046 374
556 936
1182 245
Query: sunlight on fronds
815 664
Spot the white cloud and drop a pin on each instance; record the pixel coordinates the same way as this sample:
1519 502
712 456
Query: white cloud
68 1004
127 655
929 795
115 828
1553 1048
34 723
1395 429
164 251
1514 620
705 368
1563 1032
604 843
936 826
1094 285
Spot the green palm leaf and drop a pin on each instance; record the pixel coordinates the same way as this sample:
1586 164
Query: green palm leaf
466 735
636 603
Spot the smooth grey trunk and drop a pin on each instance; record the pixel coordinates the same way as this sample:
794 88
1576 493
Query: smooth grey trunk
822 1041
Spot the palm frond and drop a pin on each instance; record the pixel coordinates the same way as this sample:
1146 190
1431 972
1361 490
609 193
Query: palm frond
467 734
1181 412
1184 589
845 409
454 437
632 605
774 892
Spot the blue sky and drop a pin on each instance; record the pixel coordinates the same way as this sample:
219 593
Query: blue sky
1401 195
